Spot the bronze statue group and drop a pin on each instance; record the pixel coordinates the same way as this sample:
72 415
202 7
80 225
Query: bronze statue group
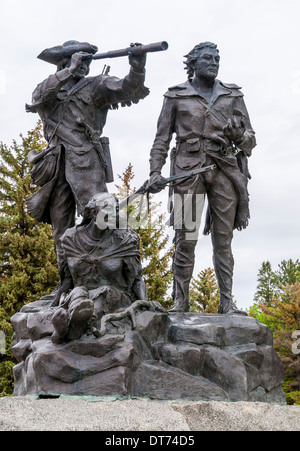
213 131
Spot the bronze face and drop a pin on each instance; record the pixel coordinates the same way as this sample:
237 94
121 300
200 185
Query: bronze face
207 64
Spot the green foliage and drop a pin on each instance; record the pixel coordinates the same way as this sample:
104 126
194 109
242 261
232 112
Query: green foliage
204 292
291 386
285 313
288 272
279 309
266 284
255 312
293 398
28 267
155 255
271 283
6 376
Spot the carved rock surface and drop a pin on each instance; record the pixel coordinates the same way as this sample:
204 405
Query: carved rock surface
161 381
166 356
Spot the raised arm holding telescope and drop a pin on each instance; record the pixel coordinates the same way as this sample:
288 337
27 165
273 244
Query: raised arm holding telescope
134 49
73 107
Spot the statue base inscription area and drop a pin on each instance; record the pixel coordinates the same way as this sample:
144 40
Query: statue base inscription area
161 356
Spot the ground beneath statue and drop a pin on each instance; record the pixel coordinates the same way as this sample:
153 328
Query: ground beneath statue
75 414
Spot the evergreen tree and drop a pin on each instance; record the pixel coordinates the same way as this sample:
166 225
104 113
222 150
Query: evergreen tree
271 283
155 255
204 292
278 306
284 315
267 284
28 267
288 273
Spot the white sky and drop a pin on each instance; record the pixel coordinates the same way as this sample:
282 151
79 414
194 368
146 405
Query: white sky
259 47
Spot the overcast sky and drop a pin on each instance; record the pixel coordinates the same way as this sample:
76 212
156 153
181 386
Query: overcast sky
259 48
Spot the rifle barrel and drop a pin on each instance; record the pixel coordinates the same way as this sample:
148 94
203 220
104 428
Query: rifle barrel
137 50
144 188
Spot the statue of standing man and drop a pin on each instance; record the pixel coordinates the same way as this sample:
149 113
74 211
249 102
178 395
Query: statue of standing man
212 127
73 107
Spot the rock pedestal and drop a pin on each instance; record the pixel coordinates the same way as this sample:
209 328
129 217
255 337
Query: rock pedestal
167 356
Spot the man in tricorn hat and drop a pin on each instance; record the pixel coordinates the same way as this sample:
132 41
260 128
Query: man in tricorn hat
76 164
212 127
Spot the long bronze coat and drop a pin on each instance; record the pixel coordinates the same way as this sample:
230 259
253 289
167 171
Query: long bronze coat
198 125
63 113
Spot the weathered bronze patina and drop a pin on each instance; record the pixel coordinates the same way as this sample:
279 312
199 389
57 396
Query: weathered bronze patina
212 126
73 107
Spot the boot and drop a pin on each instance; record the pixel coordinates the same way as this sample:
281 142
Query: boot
180 305
183 265
227 307
180 295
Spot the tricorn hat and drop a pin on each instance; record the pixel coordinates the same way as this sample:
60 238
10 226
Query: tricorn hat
56 54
